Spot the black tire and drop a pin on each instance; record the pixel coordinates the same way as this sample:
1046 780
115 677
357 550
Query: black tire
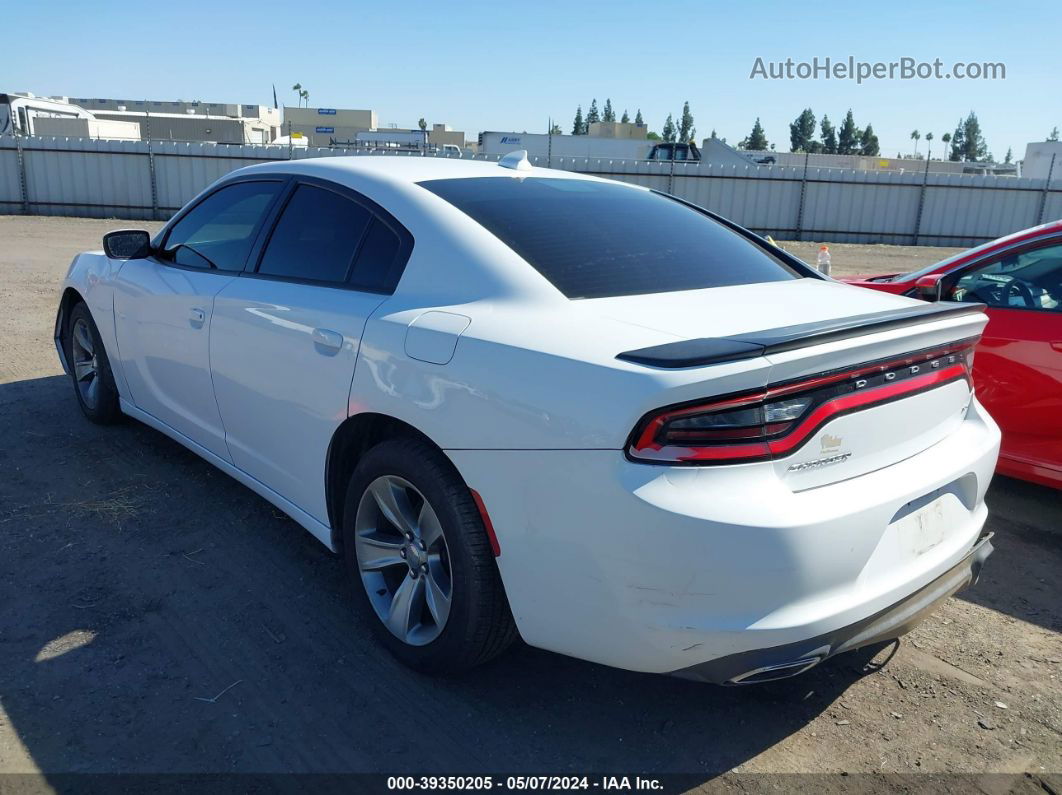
100 402
479 625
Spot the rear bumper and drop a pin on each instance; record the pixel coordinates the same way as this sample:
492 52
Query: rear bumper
779 662
663 569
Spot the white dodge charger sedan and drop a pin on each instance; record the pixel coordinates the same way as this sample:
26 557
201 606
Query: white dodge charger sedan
527 402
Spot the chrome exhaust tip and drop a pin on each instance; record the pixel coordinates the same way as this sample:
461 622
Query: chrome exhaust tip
770 673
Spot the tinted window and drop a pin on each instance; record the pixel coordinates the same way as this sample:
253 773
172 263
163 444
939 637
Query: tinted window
374 269
596 239
1031 279
219 231
316 236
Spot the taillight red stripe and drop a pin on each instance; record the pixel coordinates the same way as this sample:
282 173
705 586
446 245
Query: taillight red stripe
870 369
647 448
856 400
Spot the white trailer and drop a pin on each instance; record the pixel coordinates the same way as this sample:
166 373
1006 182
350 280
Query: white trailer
19 112
541 145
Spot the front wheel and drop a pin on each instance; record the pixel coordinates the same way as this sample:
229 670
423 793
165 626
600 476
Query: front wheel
90 368
421 560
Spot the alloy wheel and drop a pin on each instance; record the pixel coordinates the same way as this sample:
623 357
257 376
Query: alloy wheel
85 363
403 560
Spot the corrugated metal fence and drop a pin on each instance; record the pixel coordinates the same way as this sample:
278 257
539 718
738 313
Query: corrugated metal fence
151 180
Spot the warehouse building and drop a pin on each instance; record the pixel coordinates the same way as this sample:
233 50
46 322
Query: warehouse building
328 126
264 113
195 127
353 127
619 129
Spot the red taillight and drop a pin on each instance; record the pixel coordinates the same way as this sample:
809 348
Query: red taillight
775 421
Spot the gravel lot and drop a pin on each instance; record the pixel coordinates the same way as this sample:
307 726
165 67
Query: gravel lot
139 583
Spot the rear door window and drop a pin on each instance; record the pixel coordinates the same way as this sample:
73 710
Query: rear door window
375 266
316 238
598 239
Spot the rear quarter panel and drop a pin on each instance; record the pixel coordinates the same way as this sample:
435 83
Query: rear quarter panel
530 378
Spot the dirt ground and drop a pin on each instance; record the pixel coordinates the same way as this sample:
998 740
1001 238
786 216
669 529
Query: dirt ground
856 259
159 617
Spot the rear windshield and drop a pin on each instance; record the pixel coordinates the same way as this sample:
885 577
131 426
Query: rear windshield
596 239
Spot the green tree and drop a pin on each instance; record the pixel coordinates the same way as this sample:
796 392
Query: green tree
669 130
652 136
579 127
849 139
1053 135
958 143
713 135
297 88
915 136
638 117
592 115
801 131
609 114
625 118
929 144
556 129
828 134
945 139
976 150
756 139
686 129
422 123
868 142
1009 156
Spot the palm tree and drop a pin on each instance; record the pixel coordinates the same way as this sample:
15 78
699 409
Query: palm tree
915 135
945 139
302 93
929 144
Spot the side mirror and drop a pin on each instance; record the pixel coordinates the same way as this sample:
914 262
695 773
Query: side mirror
127 244
928 287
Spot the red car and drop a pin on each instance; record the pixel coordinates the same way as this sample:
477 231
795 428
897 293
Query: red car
1018 363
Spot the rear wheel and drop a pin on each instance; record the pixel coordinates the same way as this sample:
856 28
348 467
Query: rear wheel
421 560
90 369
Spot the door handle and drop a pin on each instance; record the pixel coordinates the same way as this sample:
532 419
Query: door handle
326 338
197 315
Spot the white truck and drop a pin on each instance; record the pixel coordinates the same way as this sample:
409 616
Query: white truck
541 145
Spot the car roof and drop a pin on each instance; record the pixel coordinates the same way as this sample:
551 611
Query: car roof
985 249
404 169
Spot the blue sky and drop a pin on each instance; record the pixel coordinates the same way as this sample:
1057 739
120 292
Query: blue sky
510 66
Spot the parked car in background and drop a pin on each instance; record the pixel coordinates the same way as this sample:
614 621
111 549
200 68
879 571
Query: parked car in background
1018 367
527 401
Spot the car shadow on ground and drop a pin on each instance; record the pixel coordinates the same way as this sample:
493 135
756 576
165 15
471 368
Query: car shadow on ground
1021 577
162 618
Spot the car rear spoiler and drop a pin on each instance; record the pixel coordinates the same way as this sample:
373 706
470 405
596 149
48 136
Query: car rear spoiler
714 350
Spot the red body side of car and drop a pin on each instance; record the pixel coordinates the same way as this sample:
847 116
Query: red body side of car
1018 363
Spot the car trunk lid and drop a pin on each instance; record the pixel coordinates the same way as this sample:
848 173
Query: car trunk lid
883 383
